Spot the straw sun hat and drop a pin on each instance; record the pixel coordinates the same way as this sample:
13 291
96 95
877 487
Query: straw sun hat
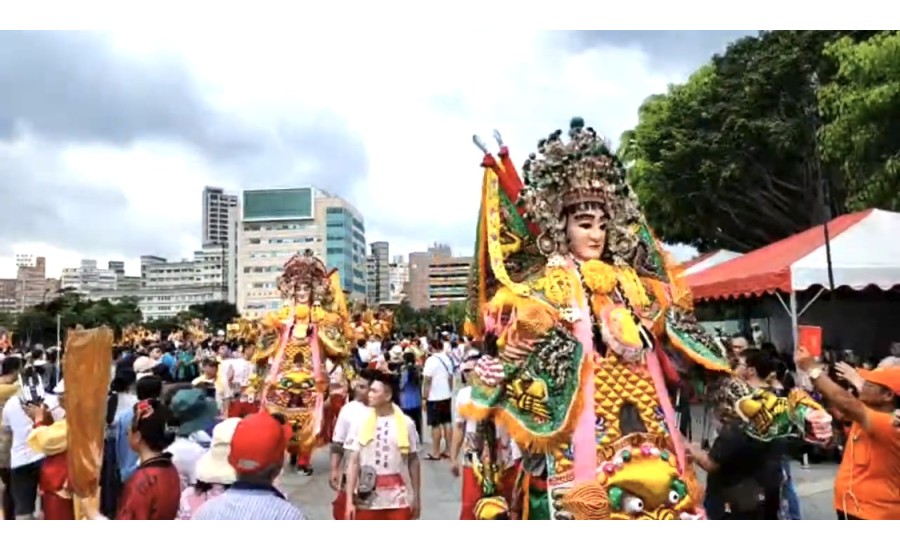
213 467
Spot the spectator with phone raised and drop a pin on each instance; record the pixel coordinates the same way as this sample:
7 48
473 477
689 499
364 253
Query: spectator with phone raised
867 485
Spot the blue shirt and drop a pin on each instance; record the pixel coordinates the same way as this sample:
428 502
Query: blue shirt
169 361
244 501
127 459
410 394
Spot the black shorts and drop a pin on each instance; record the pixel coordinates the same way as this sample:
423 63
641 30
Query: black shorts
23 484
439 412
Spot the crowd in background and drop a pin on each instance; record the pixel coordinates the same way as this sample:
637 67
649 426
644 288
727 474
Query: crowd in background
750 479
165 424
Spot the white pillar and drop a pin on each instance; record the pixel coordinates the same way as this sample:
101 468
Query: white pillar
794 323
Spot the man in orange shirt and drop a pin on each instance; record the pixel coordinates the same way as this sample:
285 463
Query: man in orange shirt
867 485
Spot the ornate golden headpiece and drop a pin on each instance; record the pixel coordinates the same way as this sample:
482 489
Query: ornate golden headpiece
306 270
580 172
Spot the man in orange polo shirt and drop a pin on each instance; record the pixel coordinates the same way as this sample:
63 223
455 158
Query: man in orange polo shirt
867 485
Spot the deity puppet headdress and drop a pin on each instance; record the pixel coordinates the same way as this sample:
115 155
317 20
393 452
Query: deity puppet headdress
306 270
581 173
523 222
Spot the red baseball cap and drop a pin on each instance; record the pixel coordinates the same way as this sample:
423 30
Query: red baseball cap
259 442
889 377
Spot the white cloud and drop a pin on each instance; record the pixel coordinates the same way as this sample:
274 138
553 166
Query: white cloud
414 98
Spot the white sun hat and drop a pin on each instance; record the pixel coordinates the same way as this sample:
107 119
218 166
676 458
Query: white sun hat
213 467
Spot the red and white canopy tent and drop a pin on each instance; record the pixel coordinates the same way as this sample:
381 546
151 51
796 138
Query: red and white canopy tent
865 251
708 260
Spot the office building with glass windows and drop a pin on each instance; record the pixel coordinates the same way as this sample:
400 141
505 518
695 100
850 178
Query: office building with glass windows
278 223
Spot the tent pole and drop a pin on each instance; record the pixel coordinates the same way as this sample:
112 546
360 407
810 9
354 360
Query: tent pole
794 321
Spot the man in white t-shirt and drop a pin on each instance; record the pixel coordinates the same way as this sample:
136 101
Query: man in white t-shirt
438 392
236 375
350 415
24 463
383 470
467 439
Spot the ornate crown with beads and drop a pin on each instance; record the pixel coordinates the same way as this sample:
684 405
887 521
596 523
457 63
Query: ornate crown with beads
306 269
565 174
582 171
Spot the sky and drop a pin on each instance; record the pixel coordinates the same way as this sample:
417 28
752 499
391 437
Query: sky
108 139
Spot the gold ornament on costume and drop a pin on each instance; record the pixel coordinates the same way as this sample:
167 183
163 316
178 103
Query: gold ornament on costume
640 481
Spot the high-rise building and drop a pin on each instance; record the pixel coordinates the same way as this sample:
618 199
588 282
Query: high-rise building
278 223
399 279
437 278
378 274
216 208
342 227
231 252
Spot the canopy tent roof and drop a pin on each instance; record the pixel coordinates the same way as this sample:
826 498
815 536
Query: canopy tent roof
865 250
708 260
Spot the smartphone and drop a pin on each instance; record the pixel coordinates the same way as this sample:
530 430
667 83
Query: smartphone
810 337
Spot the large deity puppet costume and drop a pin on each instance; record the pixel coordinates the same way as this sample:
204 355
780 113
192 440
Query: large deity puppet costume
300 342
574 302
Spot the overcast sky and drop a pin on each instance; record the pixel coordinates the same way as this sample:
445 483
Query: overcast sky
107 140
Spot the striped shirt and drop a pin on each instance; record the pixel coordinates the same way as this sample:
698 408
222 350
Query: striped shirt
251 502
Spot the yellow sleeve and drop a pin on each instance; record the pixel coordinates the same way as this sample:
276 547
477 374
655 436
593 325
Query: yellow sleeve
49 440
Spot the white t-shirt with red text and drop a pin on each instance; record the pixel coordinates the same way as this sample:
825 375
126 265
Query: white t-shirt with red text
383 455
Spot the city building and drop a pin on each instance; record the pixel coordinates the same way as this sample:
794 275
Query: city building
378 274
25 260
278 223
32 285
448 280
163 302
88 277
166 288
437 278
7 295
231 252
345 239
124 283
208 268
217 209
399 280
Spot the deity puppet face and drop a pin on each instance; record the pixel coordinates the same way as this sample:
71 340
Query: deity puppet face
303 292
586 232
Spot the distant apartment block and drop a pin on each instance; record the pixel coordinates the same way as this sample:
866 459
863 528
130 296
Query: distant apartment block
437 278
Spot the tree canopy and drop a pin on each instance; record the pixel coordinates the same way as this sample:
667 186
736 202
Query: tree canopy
861 107
731 158
427 321
39 323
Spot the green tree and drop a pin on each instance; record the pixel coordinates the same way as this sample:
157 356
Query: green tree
861 111
39 323
729 159
217 313
405 319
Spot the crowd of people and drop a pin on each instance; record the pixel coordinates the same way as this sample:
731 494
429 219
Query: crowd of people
751 479
179 446
182 443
